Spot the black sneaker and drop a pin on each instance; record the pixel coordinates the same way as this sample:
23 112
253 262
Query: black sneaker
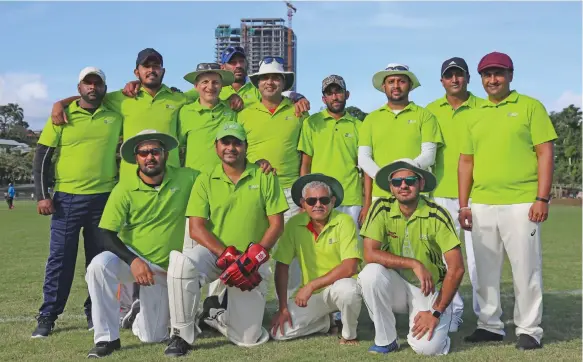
128 320
103 349
526 342
209 302
482 335
177 347
44 327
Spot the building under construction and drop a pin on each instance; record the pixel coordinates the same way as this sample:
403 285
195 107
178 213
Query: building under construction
259 37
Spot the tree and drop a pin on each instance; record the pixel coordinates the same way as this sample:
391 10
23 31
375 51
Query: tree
11 115
568 145
356 112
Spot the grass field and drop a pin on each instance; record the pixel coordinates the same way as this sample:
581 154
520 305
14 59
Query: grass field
24 248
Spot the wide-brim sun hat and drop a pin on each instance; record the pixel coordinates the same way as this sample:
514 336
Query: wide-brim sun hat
394 69
128 148
335 186
383 176
227 76
273 67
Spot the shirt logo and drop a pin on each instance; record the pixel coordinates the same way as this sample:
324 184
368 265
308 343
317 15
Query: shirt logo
173 189
411 121
513 114
253 187
348 135
424 237
331 241
169 106
392 234
108 121
247 96
289 118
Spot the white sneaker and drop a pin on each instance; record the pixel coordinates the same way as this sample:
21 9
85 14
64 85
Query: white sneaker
456 322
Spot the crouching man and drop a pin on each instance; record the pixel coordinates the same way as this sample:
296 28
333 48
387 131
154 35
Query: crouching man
236 216
325 243
142 222
404 239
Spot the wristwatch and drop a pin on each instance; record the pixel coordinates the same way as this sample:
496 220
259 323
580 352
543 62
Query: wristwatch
435 313
546 201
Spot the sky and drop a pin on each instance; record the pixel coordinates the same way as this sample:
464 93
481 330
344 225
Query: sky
46 44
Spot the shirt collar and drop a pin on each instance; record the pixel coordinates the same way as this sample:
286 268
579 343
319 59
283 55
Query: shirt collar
470 102
346 117
75 108
141 186
409 107
332 220
219 174
200 108
286 102
512 98
163 89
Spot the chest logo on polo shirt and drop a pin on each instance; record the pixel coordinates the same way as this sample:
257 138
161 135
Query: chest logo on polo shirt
169 106
424 237
331 241
173 189
513 114
392 234
247 96
253 187
289 118
348 135
411 121
108 121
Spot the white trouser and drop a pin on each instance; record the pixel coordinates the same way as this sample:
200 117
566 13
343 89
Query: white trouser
341 296
496 228
125 293
384 293
353 211
104 274
295 272
242 321
452 206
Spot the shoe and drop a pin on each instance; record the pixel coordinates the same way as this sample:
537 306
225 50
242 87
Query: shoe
103 349
456 322
44 327
128 319
482 335
209 302
177 347
526 342
384 349
89 324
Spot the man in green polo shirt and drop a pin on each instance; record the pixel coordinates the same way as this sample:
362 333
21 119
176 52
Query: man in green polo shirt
457 106
398 129
142 223
507 163
325 243
407 238
329 145
236 216
85 172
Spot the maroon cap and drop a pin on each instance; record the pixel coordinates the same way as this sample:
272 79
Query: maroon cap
495 59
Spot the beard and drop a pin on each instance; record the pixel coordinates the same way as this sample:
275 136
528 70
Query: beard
152 83
152 171
339 108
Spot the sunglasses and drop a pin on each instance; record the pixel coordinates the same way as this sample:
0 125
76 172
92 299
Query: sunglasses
397 67
157 151
208 66
269 60
409 181
232 49
312 201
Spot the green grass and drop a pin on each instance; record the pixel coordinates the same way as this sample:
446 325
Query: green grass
24 248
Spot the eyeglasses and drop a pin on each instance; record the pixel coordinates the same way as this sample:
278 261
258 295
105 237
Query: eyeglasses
409 181
313 200
233 49
269 60
208 66
397 67
153 151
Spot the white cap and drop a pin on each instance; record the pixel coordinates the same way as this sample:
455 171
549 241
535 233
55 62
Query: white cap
92 70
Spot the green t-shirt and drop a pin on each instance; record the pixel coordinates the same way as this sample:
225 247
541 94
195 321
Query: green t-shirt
502 137
394 136
448 155
86 162
150 220
426 236
238 214
333 146
197 130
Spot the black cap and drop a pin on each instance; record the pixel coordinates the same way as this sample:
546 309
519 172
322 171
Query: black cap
147 53
455 62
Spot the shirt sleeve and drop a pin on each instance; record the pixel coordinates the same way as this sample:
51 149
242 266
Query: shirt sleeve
51 134
191 95
349 245
467 145
374 226
445 234
198 203
285 250
365 133
114 100
305 144
430 131
181 131
275 200
116 210
541 127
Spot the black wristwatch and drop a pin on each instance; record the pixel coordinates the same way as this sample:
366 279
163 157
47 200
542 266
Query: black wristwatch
435 313
546 201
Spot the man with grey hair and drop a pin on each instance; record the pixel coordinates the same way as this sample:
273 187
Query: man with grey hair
324 241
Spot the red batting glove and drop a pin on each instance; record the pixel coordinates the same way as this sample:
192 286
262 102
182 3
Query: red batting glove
228 257
246 265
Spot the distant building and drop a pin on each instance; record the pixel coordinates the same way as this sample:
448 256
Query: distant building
13 146
260 37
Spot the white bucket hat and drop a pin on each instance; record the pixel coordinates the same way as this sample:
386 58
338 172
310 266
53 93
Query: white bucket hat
273 65
394 69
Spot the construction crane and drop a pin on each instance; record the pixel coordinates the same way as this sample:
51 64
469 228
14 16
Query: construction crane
290 13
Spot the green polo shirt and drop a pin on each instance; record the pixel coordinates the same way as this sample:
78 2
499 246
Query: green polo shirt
146 112
274 137
502 137
86 159
248 93
197 130
394 136
426 236
333 146
237 213
150 220
318 254
448 155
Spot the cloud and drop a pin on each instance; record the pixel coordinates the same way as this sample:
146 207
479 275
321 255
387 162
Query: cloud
566 99
30 92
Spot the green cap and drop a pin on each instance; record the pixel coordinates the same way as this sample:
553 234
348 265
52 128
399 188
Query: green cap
231 129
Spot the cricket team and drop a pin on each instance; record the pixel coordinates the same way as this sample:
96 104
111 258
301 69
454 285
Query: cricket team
334 210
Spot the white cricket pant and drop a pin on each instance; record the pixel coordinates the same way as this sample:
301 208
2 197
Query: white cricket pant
452 206
104 273
242 321
342 296
353 211
385 293
295 272
496 228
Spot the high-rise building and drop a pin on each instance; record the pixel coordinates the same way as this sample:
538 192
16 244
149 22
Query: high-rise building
260 37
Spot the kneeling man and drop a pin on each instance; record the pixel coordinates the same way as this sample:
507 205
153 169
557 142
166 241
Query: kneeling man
142 222
236 216
404 239
325 243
